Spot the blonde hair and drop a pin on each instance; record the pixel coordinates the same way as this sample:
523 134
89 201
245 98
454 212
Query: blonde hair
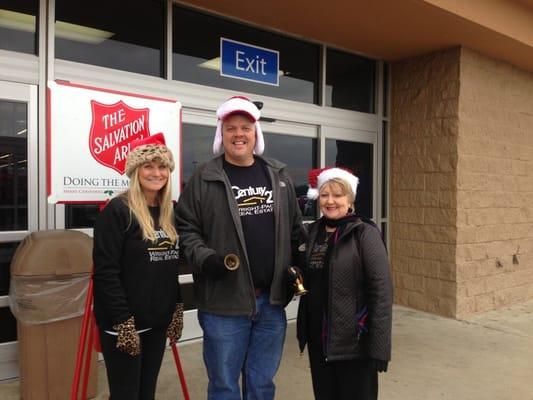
345 187
138 206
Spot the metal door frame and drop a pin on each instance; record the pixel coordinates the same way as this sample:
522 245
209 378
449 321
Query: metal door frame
19 92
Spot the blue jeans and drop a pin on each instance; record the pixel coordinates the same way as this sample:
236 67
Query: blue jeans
243 344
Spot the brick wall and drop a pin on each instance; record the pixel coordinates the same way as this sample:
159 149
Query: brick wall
494 185
423 187
461 183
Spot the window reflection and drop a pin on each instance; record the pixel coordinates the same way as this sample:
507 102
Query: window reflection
359 158
112 34
13 166
8 327
299 153
350 81
18 25
196 56
80 215
6 254
384 231
384 173
386 73
197 145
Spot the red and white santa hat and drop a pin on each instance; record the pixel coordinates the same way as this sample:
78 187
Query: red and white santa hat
239 105
320 176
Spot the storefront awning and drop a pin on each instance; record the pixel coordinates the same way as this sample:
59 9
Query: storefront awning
396 29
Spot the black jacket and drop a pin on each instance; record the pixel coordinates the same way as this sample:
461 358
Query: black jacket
358 276
132 276
209 223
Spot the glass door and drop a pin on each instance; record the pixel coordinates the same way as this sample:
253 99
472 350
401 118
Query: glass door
356 151
18 198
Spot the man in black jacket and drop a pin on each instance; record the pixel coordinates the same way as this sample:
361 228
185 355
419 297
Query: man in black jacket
242 204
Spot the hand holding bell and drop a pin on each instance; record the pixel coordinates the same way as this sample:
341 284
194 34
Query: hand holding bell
297 281
232 262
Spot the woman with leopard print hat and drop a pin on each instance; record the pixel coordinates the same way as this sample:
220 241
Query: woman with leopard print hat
137 298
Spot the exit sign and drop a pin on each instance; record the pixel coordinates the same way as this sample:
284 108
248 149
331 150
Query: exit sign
248 62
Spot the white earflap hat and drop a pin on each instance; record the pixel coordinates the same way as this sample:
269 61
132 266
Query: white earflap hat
239 105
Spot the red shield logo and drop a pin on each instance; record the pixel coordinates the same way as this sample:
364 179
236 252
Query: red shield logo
113 128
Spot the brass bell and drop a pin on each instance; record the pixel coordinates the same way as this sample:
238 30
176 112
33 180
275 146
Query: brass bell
232 261
299 289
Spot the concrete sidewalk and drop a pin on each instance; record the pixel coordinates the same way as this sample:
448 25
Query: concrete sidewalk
489 357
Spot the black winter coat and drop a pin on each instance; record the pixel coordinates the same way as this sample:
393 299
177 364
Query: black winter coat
209 223
132 276
358 276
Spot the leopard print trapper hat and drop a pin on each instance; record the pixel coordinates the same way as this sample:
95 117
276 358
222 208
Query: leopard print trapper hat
146 150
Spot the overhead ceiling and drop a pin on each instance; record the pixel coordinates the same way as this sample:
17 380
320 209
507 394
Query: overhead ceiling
396 29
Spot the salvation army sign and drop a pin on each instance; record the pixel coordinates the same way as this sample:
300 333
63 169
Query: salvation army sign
90 131
114 127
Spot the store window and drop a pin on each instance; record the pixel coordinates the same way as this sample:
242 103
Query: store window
384 172
197 148
6 254
8 327
386 73
18 25
196 56
299 153
384 151
13 166
350 81
80 215
358 158
128 36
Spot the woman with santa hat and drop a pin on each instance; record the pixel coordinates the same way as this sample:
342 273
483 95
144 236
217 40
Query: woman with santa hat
345 319
137 299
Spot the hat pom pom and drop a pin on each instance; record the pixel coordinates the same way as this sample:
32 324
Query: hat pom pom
312 193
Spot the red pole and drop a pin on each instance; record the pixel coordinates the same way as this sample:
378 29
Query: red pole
85 325
88 356
81 344
180 371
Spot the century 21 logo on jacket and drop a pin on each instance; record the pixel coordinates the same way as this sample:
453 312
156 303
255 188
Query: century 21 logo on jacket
253 200
163 249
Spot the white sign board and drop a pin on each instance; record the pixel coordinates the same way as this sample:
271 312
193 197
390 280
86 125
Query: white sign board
89 133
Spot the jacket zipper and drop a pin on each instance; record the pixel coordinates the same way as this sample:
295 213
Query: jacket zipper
275 195
330 273
232 201
328 327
